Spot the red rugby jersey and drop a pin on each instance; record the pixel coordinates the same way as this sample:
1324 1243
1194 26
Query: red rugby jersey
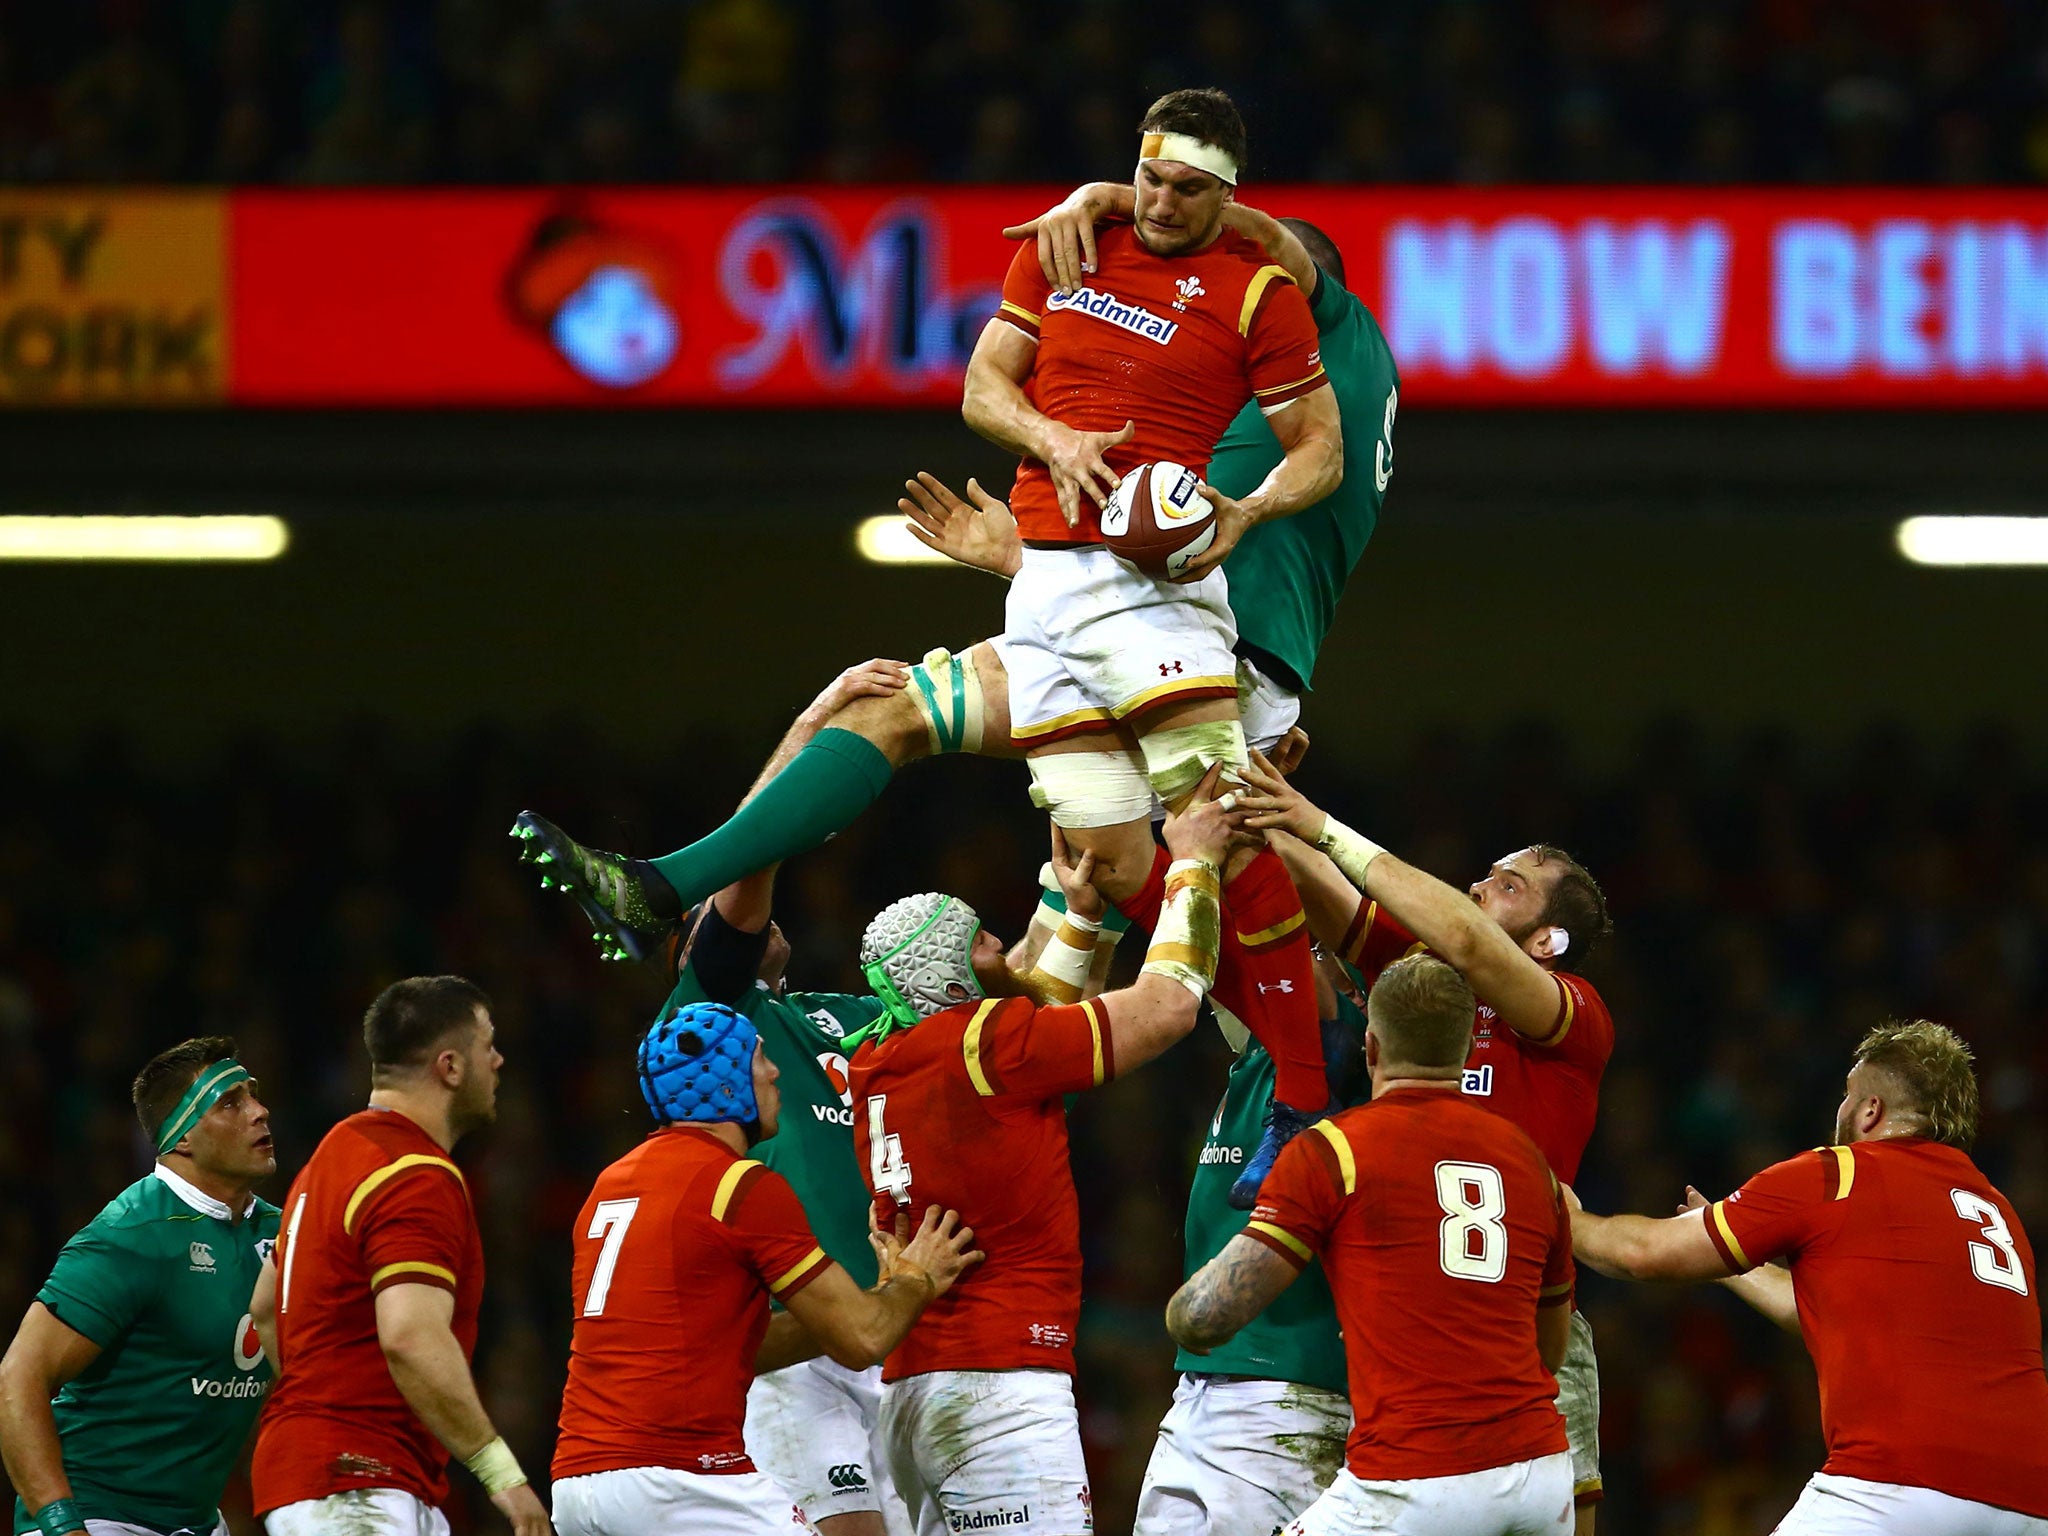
1442 1232
1176 344
378 1204
678 1249
1917 1299
964 1111
1549 1087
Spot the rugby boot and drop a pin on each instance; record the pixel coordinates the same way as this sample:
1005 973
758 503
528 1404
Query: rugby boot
1283 1124
633 912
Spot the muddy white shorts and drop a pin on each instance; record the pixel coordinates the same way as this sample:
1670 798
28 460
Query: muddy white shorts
1578 1399
1240 1456
1268 707
815 1429
1088 640
662 1501
988 1451
1523 1498
1853 1506
359 1512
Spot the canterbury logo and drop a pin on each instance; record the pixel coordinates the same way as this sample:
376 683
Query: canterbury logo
847 1476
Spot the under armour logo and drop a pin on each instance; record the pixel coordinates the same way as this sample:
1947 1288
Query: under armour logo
847 1477
1169 668
1285 984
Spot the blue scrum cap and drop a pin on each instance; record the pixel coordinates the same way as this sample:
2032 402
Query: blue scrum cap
698 1065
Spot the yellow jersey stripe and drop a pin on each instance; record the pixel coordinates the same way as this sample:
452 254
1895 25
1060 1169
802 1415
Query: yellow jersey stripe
1556 1290
1008 308
1138 701
1256 290
1845 1175
1293 1243
1346 1163
390 1170
775 1288
970 1047
728 1186
411 1267
1279 930
1057 723
1093 1008
1567 1008
1281 389
1728 1235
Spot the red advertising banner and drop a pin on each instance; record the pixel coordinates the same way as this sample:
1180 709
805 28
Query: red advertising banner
822 298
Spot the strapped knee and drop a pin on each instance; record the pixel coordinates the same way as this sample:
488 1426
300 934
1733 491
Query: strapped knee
1177 757
1090 789
947 692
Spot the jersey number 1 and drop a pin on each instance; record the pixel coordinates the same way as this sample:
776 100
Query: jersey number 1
1994 1261
886 1167
1474 1244
609 1221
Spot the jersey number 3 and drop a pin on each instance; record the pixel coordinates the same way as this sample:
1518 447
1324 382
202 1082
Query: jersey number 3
609 1221
1474 1243
1993 1261
887 1170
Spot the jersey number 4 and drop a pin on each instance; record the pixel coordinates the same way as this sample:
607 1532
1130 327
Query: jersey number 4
1473 1242
887 1170
609 1221
1994 1261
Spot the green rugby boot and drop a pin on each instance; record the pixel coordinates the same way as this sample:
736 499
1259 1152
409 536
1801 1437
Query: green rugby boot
633 911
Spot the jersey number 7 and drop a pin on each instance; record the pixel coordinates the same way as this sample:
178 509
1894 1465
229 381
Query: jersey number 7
887 1170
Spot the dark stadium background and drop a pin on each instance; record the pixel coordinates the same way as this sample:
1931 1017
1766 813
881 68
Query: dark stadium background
1813 778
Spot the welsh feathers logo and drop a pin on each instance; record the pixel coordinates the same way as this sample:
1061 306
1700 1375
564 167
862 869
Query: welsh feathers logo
1189 289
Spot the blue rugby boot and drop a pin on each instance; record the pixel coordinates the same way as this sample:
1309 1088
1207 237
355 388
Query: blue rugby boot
633 912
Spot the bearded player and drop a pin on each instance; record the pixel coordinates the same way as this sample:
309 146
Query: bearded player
1913 1284
1448 1248
958 1100
143 1334
679 1248
1186 322
378 1278
1543 1034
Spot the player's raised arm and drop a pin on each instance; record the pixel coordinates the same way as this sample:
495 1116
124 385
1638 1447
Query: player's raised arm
1504 974
44 1355
1646 1247
1281 243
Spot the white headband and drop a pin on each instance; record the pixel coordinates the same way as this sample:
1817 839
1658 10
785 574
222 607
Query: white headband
1188 150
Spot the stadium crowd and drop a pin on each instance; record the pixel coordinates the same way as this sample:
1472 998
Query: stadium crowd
507 91
1771 901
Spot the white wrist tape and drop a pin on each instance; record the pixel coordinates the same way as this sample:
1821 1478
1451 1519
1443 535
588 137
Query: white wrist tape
495 1467
1350 852
1189 931
1064 962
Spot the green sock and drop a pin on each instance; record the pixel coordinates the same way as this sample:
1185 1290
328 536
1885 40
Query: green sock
823 789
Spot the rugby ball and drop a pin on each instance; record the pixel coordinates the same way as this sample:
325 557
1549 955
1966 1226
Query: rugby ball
1157 520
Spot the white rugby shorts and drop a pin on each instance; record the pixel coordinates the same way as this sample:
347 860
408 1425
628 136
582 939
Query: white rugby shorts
1240 1455
122 1528
1523 1498
988 1450
664 1501
815 1428
1853 1506
1578 1399
1087 641
359 1512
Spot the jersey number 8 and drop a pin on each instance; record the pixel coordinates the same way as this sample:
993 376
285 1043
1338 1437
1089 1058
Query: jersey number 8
887 1170
1474 1244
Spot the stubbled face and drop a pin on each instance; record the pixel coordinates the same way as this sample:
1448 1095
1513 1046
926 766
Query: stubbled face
767 1095
1179 209
476 1089
232 1139
991 968
1514 894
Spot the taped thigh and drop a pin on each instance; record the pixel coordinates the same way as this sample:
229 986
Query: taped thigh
1178 756
947 691
1090 789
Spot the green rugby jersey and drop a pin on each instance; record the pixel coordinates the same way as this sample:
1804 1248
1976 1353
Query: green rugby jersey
1287 575
160 1280
813 1146
1295 1339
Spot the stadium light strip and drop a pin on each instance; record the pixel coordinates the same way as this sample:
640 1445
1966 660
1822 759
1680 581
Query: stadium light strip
1959 541
143 538
889 541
